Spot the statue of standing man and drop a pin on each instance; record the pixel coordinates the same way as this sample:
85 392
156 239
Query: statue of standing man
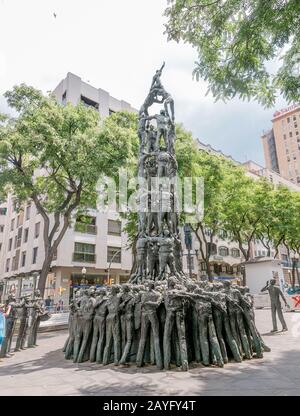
275 293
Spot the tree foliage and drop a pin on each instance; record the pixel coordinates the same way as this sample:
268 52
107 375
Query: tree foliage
54 156
239 43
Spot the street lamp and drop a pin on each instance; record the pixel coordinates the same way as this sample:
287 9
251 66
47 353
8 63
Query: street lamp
188 243
295 266
35 276
111 260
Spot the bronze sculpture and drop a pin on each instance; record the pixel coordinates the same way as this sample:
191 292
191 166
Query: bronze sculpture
275 294
162 317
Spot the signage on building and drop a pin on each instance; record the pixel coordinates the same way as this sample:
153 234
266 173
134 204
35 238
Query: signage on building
285 110
12 287
27 286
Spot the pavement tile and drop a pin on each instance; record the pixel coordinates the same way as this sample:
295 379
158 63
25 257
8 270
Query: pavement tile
44 371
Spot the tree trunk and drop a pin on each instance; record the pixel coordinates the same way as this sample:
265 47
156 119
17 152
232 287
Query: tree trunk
208 271
44 273
294 274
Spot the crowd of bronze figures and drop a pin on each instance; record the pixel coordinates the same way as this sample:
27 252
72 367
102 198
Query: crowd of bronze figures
161 316
164 323
22 318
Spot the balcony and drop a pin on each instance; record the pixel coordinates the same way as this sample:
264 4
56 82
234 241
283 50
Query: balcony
84 257
86 228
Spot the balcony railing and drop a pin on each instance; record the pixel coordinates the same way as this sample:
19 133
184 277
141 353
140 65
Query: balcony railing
86 228
84 257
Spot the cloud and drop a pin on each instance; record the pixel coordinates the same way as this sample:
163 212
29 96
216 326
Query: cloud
117 46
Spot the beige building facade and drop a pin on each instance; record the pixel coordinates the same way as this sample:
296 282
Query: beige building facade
281 144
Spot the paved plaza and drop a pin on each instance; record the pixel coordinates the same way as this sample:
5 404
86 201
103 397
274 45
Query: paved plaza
43 371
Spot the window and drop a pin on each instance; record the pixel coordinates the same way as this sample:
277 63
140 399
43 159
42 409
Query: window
295 125
7 265
15 261
223 251
84 252
288 119
298 179
27 214
10 244
223 234
23 259
12 224
114 227
26 232
64 98
37 229
284 136
34 255
113 254
290 134
3 211
89 103
0 246
19 237
86 224
294 118
235 252
1 228
212 248
20 219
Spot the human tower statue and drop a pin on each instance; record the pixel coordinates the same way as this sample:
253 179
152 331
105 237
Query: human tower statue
161 317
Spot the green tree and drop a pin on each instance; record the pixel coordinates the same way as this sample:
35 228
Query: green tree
53 155
247 205
237 42
213 169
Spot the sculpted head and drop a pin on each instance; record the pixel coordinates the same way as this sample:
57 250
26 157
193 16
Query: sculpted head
150 284
101 291
166 233
172 282
115 289
227 284
272 282
126 287
191 287
217 287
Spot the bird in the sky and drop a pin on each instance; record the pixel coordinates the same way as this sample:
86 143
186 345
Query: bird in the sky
54 14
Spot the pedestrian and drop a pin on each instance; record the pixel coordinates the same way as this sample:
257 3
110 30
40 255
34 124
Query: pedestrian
48 303
2 325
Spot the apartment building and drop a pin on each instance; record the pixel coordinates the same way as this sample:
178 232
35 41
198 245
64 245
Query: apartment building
281 144
95 245
73 90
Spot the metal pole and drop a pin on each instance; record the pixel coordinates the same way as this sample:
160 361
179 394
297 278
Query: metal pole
111 260
190 262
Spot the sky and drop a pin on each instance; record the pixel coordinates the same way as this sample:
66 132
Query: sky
117 45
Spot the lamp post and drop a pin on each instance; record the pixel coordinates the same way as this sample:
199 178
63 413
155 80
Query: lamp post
111 260
188 243
295 260
35 276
